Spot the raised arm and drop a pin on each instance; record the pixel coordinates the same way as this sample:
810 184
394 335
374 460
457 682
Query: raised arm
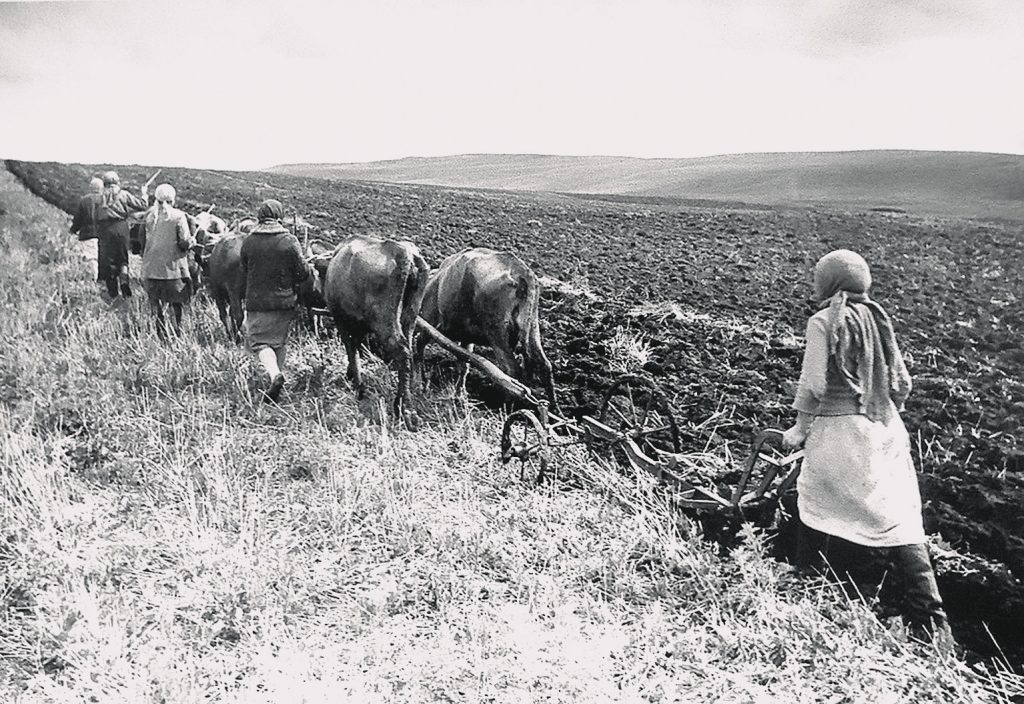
133 203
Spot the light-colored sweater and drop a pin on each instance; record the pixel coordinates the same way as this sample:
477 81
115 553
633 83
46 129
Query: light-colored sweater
822 390
168 240
858 480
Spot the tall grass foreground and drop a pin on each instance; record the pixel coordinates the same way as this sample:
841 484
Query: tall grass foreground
165 538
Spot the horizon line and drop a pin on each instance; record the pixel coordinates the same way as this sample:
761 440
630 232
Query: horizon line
412 157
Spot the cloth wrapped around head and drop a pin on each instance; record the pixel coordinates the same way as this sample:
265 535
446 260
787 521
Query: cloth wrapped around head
270 209
860 334
165 193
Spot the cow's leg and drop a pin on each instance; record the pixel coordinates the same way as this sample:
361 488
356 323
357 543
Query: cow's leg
222 312
351 343
460 384
400 352
237 316
420 344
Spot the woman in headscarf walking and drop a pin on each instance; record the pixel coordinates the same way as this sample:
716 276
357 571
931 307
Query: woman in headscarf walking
272 268
112 233
165 269
857 494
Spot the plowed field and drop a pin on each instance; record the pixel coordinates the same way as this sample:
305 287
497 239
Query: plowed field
727 352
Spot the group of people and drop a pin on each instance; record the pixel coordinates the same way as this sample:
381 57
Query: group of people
858 503
272 265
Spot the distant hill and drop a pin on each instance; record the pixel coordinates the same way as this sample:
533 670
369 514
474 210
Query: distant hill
966 184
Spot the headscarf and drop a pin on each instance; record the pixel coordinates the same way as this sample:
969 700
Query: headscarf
270 209
164 196
96 184
860 334
165 193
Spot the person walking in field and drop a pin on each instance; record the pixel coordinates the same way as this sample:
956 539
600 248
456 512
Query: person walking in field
272 267
112 233
84 222
858 499
165 270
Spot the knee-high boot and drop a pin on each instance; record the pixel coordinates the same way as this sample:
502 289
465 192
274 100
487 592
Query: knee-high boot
925 614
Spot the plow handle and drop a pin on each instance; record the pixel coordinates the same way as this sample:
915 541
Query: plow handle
771 437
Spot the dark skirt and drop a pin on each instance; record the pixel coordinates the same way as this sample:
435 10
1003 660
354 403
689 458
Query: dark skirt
111 248
168 290
268 328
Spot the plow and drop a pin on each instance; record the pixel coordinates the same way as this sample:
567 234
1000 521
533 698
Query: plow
636 425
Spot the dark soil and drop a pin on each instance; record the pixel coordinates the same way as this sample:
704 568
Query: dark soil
949 284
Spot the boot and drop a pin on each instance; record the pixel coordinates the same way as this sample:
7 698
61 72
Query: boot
126 289
274 392
925 615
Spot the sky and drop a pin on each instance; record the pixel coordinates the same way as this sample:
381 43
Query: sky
254 84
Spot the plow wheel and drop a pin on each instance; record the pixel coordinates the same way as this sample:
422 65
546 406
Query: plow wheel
636 408
524 438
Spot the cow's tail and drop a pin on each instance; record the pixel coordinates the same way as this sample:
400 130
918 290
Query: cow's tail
537 365
411 286
527 311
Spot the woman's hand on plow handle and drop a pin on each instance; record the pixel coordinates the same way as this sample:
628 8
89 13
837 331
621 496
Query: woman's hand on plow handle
793 438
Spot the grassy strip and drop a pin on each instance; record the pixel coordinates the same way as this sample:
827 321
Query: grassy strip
165 539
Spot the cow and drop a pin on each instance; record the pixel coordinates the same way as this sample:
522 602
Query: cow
223 271
373 288
209 228
485 297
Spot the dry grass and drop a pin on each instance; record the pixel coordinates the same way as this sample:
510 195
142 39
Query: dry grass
628 351
165 539
670 310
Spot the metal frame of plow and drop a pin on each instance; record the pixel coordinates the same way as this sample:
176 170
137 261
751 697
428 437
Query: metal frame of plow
692 495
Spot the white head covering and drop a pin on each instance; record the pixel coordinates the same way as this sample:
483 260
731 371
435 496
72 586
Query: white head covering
165 193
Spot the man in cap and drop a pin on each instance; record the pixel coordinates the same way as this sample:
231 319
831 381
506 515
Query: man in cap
112 233
272 268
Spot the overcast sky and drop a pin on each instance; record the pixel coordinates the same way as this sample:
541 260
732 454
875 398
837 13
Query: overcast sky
252 84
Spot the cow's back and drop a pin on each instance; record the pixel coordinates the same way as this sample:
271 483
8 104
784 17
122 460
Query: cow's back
367 282
475 295
225 265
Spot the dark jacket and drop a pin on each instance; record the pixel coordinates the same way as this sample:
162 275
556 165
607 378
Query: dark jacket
272 267
84 222
119 205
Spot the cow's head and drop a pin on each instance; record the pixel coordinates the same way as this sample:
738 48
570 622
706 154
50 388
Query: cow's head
319 256
209 228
